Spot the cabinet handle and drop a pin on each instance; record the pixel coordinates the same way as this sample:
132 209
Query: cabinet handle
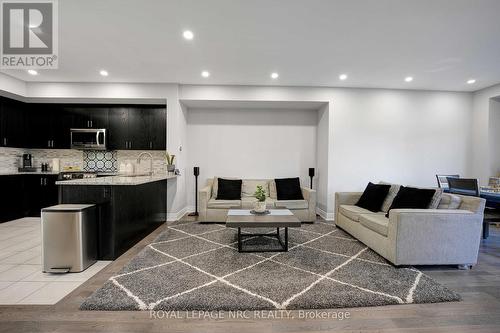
150 145
91 123
45 181
5 141
41 181
52 143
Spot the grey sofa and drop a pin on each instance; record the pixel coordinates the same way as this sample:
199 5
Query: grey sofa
441 236
213 210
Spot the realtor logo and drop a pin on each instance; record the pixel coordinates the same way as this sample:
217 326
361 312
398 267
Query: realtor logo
29 34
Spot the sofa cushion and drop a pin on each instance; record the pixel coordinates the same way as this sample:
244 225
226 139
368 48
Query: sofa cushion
449 201
353 212
249 202
375 222
223 204
272 189
291 204
249 186
393 191
229 189
373 197
288 189
215 185
411 197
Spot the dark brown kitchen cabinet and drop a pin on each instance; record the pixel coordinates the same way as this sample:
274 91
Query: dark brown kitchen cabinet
47 125
40 192
137 128
12 124
26 195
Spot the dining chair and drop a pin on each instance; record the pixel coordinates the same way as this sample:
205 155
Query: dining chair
443 181
470 186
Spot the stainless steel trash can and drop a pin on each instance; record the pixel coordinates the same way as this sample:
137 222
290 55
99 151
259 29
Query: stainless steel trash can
69 238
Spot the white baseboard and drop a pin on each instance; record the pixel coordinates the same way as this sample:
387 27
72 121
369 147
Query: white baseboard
325 215
171 217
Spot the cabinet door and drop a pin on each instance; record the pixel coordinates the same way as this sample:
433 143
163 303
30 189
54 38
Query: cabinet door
49 193
138 128
64 122
158 129
39 126
12 123
118 136
11 196
98 117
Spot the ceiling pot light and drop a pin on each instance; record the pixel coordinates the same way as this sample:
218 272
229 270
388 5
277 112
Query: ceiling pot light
205 74
32 72
103 72
471 81
343 77
274 75
188 34
408 79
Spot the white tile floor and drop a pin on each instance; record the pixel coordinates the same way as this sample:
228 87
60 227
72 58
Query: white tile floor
21 277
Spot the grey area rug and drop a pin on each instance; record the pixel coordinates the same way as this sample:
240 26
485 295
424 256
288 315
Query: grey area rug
196 266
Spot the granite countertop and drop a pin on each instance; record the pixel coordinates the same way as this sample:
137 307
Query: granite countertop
114 180
14 173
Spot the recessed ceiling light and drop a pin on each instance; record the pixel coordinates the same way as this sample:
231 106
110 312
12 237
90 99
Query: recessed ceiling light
274 75
205 73
471 81
32 72
343 76
188 34
408 79
103 72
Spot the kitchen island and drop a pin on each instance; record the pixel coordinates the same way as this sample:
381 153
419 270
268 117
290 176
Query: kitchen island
129 208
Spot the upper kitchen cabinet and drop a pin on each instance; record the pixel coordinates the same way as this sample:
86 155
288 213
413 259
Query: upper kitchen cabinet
88 116
47 126
12 125
137 128
158 129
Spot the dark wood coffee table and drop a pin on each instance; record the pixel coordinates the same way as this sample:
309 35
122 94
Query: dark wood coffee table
279 218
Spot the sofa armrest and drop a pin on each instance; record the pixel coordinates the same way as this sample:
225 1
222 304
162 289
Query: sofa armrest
436 233
345 198
204 195
310 196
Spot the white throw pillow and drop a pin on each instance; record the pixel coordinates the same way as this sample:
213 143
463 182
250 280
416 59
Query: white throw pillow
449 201
393 191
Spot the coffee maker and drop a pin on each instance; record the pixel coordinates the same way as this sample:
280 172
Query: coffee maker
27 161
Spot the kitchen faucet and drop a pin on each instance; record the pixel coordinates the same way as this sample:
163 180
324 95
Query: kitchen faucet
150 161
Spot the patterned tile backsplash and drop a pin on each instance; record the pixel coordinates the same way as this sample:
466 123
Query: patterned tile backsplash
100 161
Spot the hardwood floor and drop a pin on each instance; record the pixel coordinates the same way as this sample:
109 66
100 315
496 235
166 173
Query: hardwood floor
479 311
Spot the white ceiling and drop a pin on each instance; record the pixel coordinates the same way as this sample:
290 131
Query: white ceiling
441 43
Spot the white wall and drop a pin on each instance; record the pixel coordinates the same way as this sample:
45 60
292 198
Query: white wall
494 137
403 136
400 136
250 143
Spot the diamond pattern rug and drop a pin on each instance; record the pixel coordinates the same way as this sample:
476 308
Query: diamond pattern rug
195 266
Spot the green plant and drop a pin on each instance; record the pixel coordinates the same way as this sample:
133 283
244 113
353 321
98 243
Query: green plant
260 194
170 159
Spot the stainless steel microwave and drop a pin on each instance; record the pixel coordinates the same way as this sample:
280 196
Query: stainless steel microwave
88 138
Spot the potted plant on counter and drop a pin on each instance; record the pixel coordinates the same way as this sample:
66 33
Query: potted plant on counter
170 163
260 195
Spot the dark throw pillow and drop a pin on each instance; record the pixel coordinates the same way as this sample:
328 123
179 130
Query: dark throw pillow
288 189
228 189
373 197
410 197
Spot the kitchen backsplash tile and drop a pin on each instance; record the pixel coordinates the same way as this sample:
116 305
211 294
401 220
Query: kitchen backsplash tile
109 161
100 161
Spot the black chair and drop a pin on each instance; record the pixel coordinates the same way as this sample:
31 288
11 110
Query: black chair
470 186
443 181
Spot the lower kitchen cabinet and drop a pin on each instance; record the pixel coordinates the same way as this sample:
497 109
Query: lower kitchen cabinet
26 195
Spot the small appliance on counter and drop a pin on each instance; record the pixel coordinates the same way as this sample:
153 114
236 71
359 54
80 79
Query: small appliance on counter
27 164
